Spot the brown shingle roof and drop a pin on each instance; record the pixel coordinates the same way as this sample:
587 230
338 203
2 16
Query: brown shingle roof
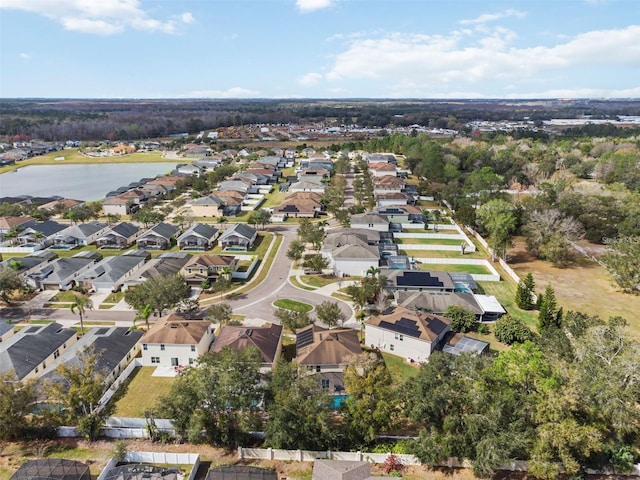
424 326
10 222
329 347
266 339
175 330
210 260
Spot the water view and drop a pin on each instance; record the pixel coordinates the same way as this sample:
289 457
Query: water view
81 182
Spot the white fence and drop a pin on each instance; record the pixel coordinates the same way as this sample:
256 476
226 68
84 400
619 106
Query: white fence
21 249
247 274
115 386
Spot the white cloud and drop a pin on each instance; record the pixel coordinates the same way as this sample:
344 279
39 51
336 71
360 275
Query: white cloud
492 17
310 79
412 63
312 5
25 56
233 92
100 17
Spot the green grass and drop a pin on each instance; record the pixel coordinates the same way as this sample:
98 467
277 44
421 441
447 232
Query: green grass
114 297
342 296
293 305
505 293
294 280
319 280
428 241
40 322
461 268
57 305
63 297
398 365
143 392
477 255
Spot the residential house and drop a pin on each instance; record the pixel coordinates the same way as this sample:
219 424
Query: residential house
267 340
40 235
114 347
110 274
343 470
198 237
15 224
25 265
418 281
207 164
381 157
296 209
437 302
325 352
154 190
388 184
122 150
314 175
381 169
158 237
79 235
168 182
238 236
191 169
175 342
208 268
62 273
209 206
169 263
403 214
28 353
232 201
62 204
125 203
410 334
371 221
306 186
119 236
354 259
392 199
237 185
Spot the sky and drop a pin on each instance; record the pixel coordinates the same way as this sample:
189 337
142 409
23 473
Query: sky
320 49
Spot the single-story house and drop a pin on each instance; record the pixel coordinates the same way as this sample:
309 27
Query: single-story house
380 169
125 203
175 342
25 265
267 340
40 234
110 274
157 237
198 237
79 235
168 263
307 186
354 259
239 236
28 353
119 236
62 273
418 281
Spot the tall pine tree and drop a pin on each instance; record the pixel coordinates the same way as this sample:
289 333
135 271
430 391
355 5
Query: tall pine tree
548 316
524 293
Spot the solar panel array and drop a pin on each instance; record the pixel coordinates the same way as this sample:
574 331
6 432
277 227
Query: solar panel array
418 279
304 338
406 326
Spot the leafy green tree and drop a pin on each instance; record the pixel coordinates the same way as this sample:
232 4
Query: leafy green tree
295 251
310 232
372 405
220 396
160 292
260 218
9 281
550 234
548 315
299 414
143 314
220 313
509 330
17 402
81 303
79 388
462 319
316 262
482 183
291 319
498 218
329 313
525 292
623 262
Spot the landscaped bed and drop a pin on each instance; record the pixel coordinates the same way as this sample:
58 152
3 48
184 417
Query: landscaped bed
293 305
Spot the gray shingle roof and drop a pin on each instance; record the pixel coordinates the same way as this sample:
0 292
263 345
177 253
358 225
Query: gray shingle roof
165 230
240 229
31 346
201 230
125 229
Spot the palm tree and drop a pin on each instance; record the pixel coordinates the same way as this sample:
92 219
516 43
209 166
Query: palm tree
81 303
143 314
372 271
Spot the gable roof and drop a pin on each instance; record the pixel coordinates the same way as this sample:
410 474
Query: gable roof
112 268
241 229
420 278
369 218
265 338
210 260
83 230
361 252
175 330
47 228
420 325
437 302
208 200
316 345
31 346
162 229
201 230
124 229
9 222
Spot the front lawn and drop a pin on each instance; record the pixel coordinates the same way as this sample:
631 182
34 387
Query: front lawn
319 280
142 393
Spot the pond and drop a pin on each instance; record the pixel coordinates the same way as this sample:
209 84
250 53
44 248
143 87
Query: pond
80 182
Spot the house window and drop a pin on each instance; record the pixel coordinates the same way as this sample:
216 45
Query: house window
162 347
325 383
191 361
44 365
396 336
193 348
317 368
144 346
155 359
391 347
174 362
56 354
36 369
401 337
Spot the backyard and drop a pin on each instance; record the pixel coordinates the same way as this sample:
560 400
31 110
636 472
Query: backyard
142 393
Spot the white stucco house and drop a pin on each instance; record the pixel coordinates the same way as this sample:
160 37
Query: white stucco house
174 342
410 334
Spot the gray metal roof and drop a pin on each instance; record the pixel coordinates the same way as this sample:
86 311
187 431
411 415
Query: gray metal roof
28 348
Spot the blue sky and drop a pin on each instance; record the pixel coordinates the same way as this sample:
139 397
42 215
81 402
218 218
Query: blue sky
320 48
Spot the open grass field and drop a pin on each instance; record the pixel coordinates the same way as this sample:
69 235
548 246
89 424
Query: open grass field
584 286
462 268
143 392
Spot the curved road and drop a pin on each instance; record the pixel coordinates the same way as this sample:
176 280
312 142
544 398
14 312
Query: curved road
258 302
